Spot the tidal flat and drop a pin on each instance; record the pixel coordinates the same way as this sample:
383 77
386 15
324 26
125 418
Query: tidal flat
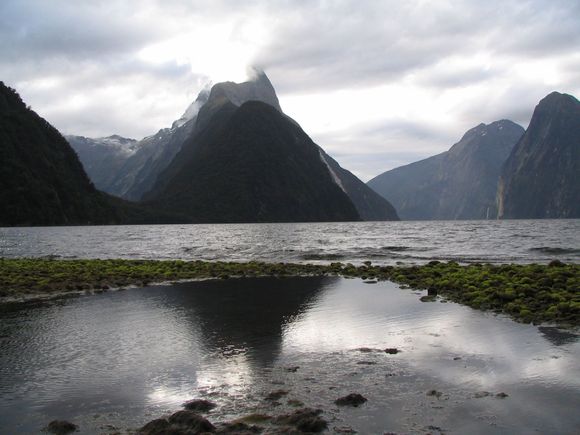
528 293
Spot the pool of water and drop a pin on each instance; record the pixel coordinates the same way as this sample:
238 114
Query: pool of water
117 360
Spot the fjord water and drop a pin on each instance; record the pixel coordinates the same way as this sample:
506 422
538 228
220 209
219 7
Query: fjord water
120 359
514 241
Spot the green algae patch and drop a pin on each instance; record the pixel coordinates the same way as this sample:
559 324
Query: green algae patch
28 277
528 293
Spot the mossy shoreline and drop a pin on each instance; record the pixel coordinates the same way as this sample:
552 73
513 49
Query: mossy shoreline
528 293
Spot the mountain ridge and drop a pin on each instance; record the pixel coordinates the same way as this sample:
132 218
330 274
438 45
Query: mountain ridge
460 183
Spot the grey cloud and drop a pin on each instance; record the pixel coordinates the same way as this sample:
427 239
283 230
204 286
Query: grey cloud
36 29
347 44
309 46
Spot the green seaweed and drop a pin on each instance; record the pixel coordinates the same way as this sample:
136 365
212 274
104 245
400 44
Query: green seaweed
528 293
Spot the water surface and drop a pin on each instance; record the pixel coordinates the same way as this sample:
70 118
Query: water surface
120 359
512 241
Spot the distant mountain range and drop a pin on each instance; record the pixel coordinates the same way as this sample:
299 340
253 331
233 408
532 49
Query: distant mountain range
458 184
234 156
497 171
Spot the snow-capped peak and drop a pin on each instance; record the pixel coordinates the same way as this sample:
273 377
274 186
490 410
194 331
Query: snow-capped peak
193 109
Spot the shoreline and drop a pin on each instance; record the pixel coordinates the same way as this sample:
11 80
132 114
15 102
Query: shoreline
530 293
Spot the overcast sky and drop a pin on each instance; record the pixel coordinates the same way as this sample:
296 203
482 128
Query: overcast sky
377 83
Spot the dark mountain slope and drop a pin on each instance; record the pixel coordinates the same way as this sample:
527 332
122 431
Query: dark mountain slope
541 177
251 164
42 181
458 184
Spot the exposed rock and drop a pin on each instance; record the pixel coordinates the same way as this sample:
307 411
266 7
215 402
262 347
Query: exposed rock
502 395
61 427
428 298
392 350
238 428
434 393
154 427
182 422
305 420
353 399
199 405
276 395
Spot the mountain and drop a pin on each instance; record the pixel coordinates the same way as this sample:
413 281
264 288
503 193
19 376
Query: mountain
42 181
103 157
130 175
458 184
540 177
156 159
251 164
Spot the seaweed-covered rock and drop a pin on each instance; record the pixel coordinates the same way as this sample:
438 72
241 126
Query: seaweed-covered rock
353 399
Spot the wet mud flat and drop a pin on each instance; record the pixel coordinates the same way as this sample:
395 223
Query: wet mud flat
283 354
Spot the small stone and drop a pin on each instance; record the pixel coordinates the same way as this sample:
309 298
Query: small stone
502 395
427 298
456 358
392 350
61 427
293 369
276 395
353 399
434 393
366 349
199 405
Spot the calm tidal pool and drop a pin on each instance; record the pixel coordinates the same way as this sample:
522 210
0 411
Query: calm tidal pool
120 359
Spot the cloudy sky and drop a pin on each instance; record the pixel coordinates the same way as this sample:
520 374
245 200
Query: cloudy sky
376 83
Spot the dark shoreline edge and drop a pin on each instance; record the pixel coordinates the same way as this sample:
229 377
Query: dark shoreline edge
531 293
